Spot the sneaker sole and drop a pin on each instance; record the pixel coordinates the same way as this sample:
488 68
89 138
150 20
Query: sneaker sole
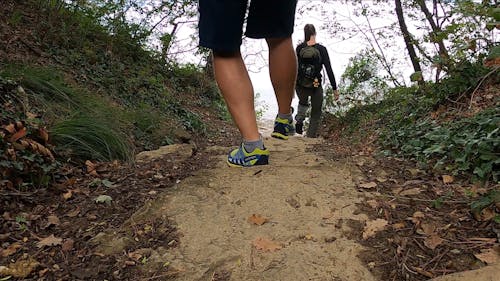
279 136
240 166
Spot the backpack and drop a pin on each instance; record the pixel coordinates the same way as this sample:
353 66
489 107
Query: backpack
309 67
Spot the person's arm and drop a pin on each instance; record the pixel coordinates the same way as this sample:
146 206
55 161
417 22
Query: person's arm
297 51
326 62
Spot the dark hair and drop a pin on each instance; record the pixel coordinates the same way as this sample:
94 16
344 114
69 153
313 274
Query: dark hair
309 30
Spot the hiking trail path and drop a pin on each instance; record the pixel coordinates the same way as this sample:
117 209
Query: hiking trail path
310 204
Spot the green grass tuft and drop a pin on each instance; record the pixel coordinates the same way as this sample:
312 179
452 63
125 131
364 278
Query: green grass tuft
88 138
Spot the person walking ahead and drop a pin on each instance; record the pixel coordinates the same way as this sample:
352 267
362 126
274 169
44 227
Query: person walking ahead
220 27
311 57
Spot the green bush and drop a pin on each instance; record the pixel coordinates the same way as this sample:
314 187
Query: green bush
468 145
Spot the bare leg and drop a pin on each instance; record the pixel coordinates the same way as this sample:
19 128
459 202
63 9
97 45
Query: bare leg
236 87
283 71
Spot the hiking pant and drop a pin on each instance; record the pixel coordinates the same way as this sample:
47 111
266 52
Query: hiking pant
316 95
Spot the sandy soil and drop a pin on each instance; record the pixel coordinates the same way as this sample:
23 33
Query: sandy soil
309 202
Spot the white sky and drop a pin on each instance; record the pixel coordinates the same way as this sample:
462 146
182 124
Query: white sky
255 51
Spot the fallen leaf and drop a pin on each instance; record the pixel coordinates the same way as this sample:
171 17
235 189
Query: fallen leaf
433 241
11 128
20 268
103 199
49 241
70 182
11 249
53 220
309 237
428 228
398 225
448 179
265 244
372 227
91 168
257 219
368 185
43 134
417 217
107 183
135 255
484 215
19 134
411 191
68 194
73 213
489 256
68 245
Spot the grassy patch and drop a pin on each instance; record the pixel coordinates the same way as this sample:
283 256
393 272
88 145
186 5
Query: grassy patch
86 137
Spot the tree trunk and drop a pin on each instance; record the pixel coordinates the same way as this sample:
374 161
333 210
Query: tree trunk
436 30
408 40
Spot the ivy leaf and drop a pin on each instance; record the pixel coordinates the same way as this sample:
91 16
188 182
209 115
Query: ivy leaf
103 199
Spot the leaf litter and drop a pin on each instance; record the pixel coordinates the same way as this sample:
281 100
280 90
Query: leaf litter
432 229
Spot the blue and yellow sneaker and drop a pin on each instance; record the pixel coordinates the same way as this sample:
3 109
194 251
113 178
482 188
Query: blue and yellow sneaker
241 158
282 128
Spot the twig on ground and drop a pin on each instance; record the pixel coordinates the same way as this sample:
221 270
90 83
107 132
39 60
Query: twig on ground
428 200
480 83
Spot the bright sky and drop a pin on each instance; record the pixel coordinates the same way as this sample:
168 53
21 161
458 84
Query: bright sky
255 51
339 51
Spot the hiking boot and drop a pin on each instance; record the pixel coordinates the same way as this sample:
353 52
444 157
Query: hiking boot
298 128
282 128
241 158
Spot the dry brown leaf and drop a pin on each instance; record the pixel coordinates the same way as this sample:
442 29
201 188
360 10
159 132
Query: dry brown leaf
428 228
372 227
257 219
49 241
30 115
20 268
70 182
489 256
368 185
417 217
53 220
433 241
43 134
68 194
19 134
135 255
73 213
67 245
411 191
90 166
398 225
485 214
265 244
11 128
448 179
11 249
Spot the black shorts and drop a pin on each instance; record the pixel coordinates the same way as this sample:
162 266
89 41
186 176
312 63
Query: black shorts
221 21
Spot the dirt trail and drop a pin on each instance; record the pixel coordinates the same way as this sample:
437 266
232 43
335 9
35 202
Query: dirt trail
310 203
